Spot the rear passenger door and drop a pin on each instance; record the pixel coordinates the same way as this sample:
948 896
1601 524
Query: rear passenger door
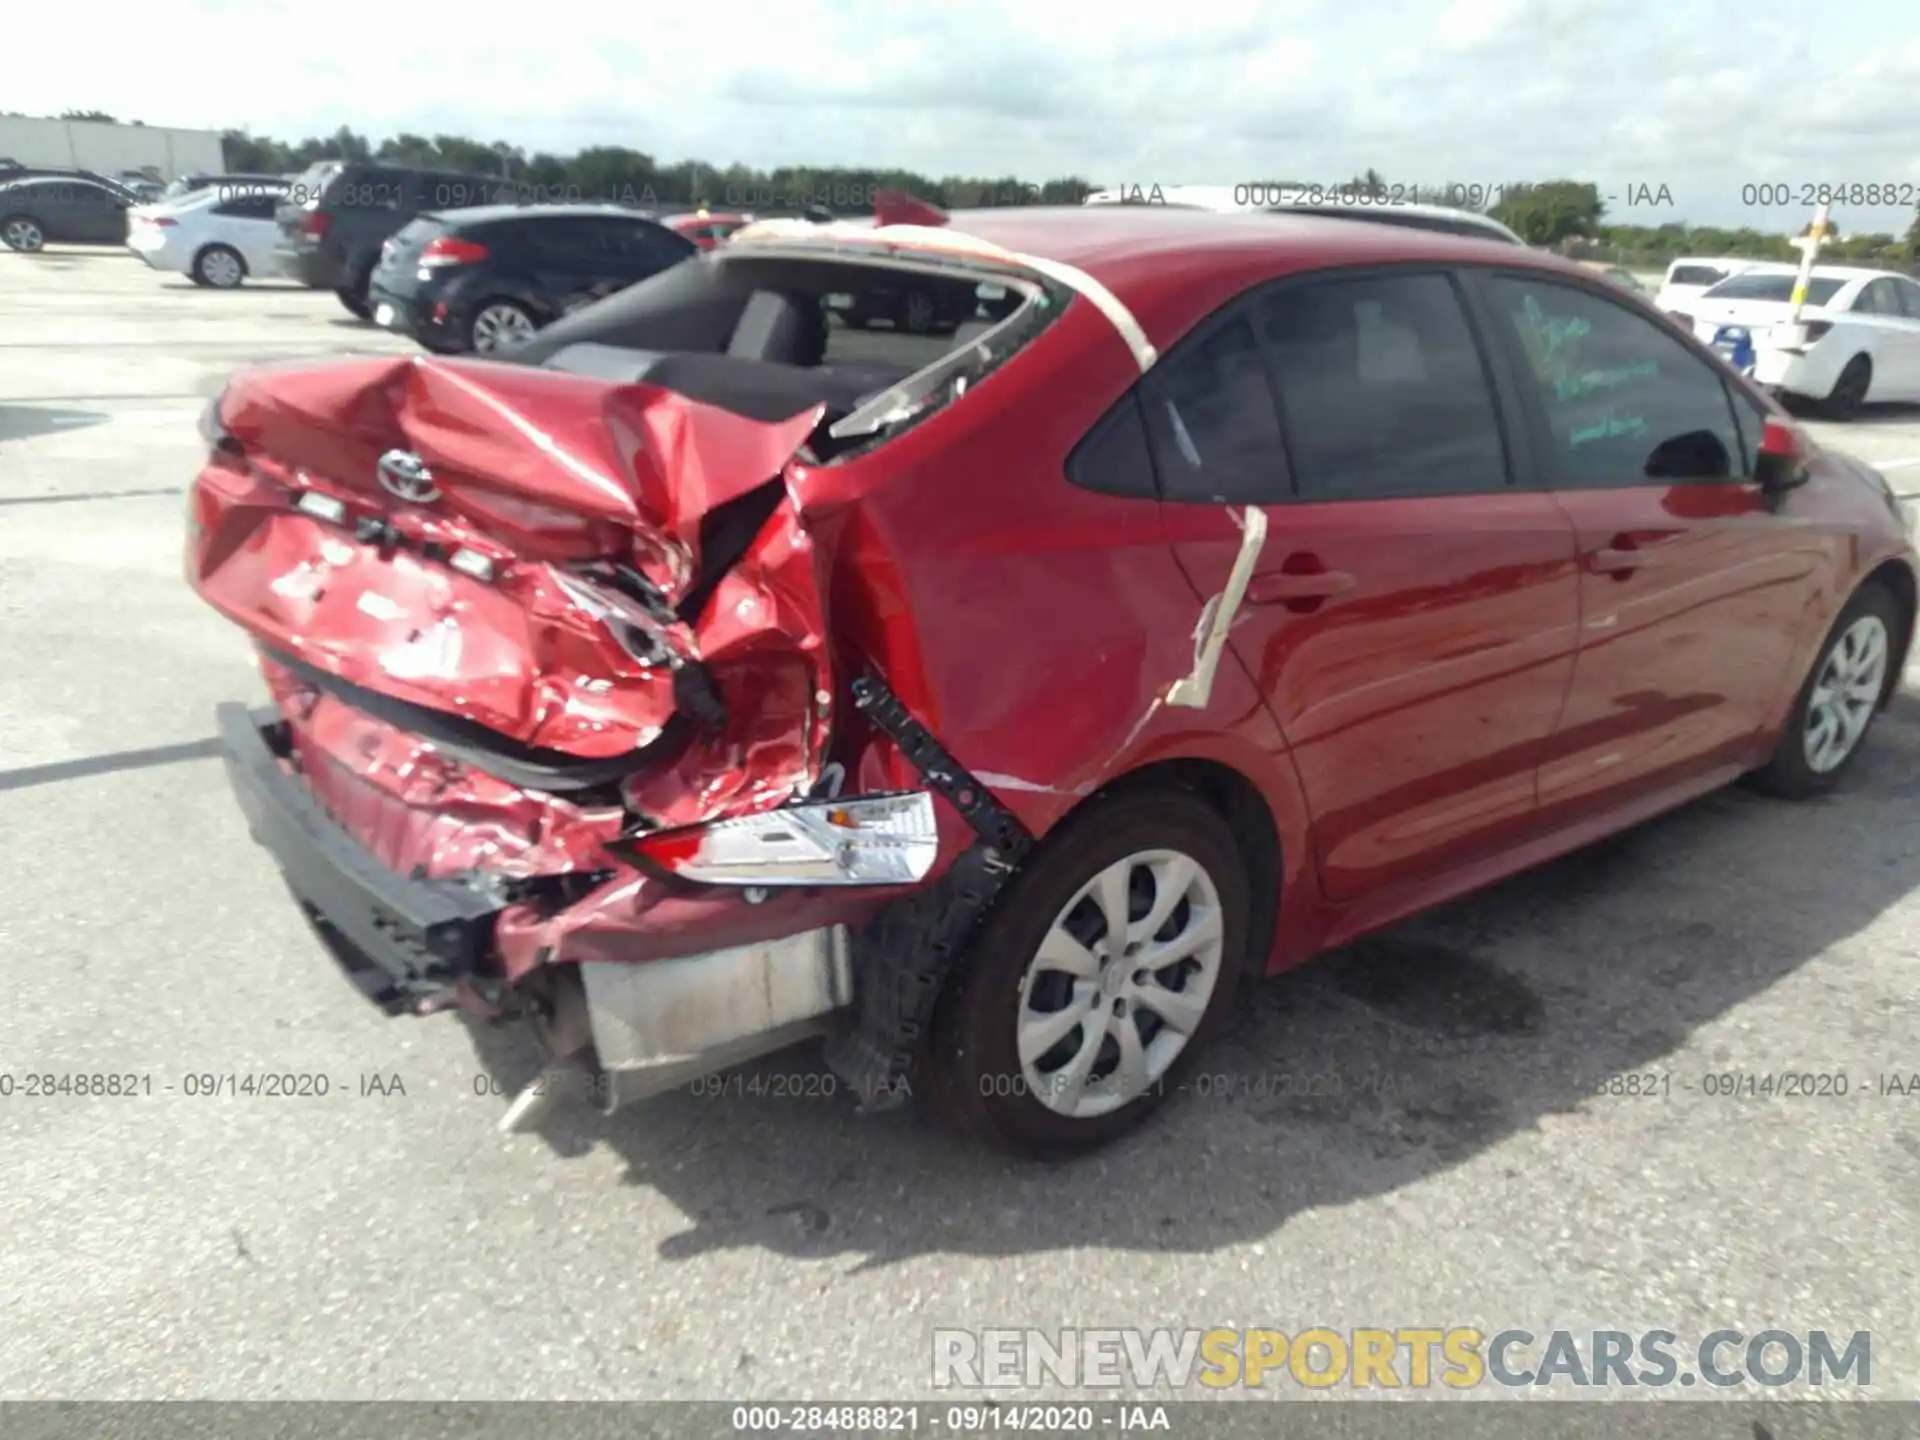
1695 593
577 260
641 248
244 220
1413 616
96 214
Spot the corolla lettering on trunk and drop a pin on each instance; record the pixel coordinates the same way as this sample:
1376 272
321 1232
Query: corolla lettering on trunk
406 475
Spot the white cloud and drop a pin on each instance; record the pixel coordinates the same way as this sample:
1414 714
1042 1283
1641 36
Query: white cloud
1703 98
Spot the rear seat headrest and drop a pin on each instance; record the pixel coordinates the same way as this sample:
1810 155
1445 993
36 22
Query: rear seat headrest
779 328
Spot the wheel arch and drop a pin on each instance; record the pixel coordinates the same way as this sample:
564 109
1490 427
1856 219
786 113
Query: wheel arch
1237 800
1897 577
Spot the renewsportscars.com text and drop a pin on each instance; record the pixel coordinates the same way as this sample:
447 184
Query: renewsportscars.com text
1455 1357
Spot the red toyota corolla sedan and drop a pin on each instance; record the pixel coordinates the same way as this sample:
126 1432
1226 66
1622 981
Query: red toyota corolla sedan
716 676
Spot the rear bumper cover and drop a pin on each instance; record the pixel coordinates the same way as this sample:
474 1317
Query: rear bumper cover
422 937
654 1024
314 268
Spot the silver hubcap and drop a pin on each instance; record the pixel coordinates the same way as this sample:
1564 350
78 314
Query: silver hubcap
219 268
1850 684
499 325
23 235
1120 983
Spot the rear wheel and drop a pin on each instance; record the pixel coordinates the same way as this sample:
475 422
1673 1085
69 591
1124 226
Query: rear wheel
1838 702
499 324
22 232
1850 390
354 297
1111 961
219 267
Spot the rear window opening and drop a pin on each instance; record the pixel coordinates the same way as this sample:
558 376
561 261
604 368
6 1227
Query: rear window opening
882 344
1774 287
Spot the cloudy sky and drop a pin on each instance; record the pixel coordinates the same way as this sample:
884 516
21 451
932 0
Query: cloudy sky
1702 97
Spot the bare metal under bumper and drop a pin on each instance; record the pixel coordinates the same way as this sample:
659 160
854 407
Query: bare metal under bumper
659 1024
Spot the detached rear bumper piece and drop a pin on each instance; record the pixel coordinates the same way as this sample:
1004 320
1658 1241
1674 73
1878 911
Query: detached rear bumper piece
414 938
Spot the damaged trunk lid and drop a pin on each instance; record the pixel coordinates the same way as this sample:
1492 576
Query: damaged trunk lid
536 572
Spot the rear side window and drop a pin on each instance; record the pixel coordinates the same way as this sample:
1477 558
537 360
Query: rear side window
1212 421
1695 275
1383 388
1114 458
1625 402
1877 298
248 207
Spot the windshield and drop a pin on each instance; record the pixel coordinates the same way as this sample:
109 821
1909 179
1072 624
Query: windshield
1778 286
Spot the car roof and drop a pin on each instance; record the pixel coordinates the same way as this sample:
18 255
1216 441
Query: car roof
1172 266
492 214
1821 272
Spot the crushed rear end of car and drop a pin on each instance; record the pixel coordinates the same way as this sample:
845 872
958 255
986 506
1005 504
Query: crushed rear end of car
564 722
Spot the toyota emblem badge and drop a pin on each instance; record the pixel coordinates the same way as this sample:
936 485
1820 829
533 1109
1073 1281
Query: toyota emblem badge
406 475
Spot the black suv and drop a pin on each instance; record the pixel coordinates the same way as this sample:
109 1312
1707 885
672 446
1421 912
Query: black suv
335 217
484 278
76 207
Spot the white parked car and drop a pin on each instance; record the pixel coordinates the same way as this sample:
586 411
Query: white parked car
1858 339
1690 277
217 237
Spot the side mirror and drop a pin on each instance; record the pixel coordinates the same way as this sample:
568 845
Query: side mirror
1781 465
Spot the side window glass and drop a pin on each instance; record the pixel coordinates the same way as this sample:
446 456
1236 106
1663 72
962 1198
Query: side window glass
1383 388
1625 403
1908 294
1114 458
1212 422
247 207
1871 299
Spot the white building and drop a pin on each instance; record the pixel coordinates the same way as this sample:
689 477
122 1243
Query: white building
109 149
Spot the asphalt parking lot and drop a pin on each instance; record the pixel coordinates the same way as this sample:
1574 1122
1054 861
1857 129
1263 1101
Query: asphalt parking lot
382 1242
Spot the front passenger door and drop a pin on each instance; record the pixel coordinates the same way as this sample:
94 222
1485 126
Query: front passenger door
1412 618
1694 594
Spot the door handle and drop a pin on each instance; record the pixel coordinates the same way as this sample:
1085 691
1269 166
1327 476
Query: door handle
1620 559
1299 585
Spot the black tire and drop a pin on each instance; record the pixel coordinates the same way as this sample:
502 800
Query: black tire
475 337
969 1068
1790 773
209 258
354 297
1849 392
23 233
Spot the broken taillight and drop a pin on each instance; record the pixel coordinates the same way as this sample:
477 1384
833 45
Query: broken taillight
867 840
